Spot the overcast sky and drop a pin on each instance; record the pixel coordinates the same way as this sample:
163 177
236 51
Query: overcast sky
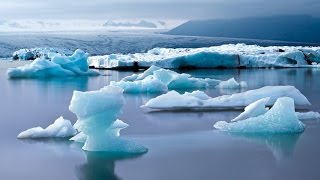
153 9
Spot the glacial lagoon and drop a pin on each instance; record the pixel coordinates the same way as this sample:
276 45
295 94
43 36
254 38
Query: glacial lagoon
181 145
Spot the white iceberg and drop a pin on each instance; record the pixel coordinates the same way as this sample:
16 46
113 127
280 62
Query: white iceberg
259 108
97 113
281 118
227 56
59 129
57 66
173 100
156 79
308 115
253 110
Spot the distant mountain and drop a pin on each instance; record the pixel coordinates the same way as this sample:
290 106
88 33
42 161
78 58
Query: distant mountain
140 24
284 28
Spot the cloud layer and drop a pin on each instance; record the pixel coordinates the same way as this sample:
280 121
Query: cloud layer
168 9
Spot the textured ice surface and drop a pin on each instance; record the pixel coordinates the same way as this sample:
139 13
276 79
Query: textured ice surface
173 100
60 128
308 115
156 79
34 53
253 110
281 118
57 66
97 113
228 56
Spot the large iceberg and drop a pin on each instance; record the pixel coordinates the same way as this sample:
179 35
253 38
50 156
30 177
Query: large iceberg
175 101
281 118
57 66
97 113
226 56
60 128
156 79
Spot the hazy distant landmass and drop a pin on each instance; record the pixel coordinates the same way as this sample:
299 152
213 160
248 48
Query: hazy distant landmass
284 28
140 24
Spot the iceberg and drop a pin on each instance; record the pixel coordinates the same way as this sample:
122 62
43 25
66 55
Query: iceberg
281 118
57 66
224 56
308 115
156 79
61 128
97 113
172 100
253 110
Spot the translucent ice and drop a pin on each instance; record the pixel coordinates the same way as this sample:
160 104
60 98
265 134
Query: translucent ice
281 118
58 66
173 100
97 113
156 79
60 128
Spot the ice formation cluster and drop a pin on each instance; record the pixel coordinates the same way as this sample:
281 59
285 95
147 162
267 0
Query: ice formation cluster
281 118
156 79
57 66
199 100
227 56
97 113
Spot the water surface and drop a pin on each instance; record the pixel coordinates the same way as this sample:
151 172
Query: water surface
182 145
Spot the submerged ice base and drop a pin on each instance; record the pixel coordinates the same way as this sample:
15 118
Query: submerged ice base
173 100
97 113
57 66
156 79
281 118
61 128
226 56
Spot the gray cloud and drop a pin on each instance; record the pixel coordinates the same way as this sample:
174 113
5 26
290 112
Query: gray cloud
170 9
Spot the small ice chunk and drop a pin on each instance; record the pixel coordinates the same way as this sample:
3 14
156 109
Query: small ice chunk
198 94
281 118
60 128
253 110
308 115
231 84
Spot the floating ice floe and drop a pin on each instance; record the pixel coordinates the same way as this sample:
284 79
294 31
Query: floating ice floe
61 128
226 56
97 113
281 118
308 115
57 66
156 79
175 101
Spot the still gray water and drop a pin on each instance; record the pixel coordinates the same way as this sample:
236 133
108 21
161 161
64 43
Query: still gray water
182 145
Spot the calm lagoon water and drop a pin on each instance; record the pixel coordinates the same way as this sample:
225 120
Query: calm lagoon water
182 145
